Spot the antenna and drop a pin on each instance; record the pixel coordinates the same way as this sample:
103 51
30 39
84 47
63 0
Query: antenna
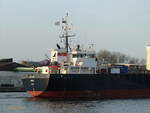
65 35
47 56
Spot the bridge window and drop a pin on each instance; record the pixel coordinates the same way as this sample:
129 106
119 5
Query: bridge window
80 55
91 56
74 55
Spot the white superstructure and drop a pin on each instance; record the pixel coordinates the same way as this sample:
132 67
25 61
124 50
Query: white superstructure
59 55
77 61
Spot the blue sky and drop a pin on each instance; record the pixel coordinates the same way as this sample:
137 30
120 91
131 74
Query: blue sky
27 29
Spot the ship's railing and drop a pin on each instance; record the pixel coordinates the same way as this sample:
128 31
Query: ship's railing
77 70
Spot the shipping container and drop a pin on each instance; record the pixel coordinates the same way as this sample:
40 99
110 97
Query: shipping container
122 68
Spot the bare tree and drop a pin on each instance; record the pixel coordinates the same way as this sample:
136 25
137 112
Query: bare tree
105 56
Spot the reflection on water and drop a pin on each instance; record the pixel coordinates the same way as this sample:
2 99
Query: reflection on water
23 103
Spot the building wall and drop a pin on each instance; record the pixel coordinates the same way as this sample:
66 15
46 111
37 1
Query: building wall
148 58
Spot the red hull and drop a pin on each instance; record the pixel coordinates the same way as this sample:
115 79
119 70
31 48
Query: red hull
92 94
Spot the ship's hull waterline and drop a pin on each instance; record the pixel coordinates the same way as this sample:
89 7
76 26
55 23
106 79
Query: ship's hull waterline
87 86
105 94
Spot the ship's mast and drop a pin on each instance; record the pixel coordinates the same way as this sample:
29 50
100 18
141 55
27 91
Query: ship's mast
66 28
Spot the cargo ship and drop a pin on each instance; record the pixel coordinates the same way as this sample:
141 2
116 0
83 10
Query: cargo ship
74 73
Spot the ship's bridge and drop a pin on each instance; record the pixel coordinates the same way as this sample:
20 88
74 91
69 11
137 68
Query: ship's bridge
84 58
59 55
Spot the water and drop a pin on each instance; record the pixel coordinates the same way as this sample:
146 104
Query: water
23 103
